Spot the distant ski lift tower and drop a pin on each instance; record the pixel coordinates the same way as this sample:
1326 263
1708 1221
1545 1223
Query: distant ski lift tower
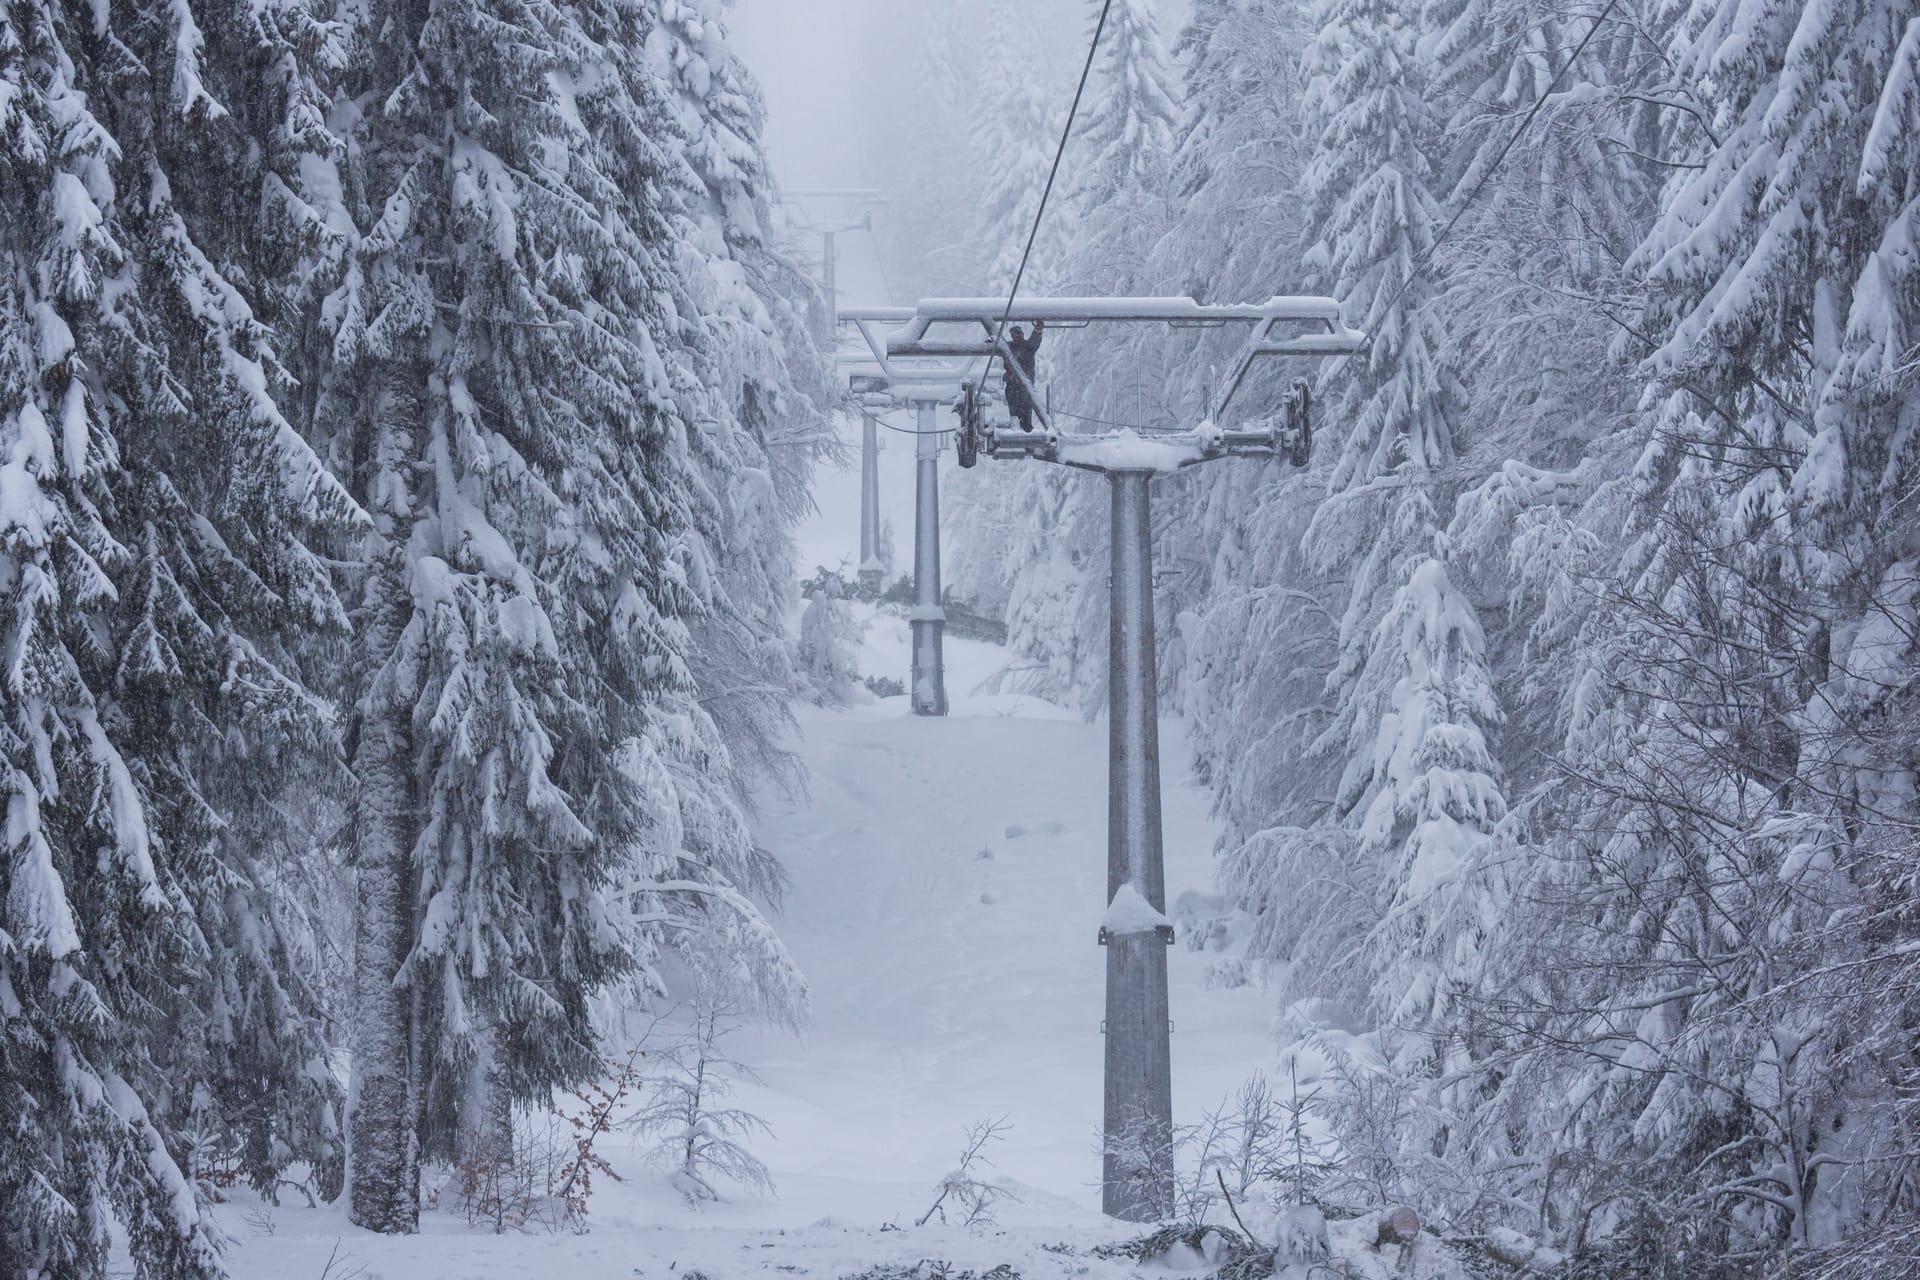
872 568
866 368
857 205
878 382
1138 1091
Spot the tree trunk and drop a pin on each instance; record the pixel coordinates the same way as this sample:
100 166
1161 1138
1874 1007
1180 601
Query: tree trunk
486 1110
383 1180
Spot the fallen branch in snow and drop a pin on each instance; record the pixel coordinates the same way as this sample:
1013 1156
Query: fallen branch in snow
961 1186
1231 1207
1513 1249
1189 1247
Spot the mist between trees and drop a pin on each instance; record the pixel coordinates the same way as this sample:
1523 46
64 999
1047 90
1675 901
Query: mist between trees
404 415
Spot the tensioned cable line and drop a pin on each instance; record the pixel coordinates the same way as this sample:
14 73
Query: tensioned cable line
1059 152
1426 259
912 431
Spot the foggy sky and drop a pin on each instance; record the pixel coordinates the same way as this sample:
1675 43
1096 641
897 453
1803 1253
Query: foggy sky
846 108
830 66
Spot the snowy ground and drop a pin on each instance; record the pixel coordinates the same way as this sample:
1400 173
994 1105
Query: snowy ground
948 881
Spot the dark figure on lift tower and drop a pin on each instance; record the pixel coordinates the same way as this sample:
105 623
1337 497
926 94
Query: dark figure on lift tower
1019 403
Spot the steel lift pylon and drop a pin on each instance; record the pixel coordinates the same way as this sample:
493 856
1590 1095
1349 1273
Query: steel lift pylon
878 381
866 373
1138 1104
864 198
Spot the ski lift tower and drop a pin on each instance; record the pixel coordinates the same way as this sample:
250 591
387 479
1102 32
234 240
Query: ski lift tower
849 199
867 374
1135 931
878 382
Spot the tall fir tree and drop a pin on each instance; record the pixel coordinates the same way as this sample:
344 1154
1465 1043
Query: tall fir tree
751 381
1015 130
1732 820
503 341
1419 791
914 154
157 510
1016 127
1113 195
1125 140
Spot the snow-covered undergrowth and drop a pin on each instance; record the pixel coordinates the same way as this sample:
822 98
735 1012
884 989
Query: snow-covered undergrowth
947 892
829 1249
948 887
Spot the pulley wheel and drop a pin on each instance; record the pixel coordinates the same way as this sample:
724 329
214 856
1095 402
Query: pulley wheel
1300 423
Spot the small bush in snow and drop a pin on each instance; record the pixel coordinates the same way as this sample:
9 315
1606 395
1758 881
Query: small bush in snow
962 1192
1138 1161
495 1188
886 687
828 635
697 1138
570 1182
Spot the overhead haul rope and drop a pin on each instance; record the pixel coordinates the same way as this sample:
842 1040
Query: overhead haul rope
1426 259
913 431
1060 151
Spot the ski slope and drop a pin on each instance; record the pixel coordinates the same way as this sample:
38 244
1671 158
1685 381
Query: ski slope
948 880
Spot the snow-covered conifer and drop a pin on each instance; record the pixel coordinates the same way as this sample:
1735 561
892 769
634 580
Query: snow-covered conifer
1374 223
156 513
1113 195
500 385
1720 736
1052 626
750 377
1016 129
693 1132
1374 217
924 151
827 637
1125 137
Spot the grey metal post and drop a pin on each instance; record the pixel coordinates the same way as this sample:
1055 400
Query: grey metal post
830 268
1139 1089
871 569
929 619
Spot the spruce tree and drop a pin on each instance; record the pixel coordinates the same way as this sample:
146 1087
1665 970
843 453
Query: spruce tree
510 426
1727 727
1112 195
517 373
1125 139
751 381
1016 128
923 153
1419 792
156 512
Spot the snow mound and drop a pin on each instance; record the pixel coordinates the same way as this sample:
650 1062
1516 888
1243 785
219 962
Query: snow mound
1131 913
1128 450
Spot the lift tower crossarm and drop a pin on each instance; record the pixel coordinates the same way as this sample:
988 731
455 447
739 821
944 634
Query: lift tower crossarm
919 382
914 338
872 325
1280 326
1172 310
